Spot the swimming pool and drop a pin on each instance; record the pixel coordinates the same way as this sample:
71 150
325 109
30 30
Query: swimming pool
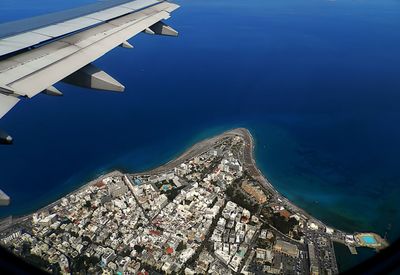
368 239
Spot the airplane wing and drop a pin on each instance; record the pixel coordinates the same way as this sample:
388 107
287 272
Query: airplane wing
36 53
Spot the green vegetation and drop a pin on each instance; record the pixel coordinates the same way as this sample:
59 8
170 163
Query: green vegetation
283 225
236 195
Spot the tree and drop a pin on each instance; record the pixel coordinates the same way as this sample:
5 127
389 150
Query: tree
181 246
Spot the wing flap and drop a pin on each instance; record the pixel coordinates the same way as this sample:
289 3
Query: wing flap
26 68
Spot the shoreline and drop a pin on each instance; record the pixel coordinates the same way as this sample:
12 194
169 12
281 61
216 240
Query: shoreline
17 219
191 151
198 148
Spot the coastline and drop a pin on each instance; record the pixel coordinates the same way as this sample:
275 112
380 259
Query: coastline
249 162
14 220
193 150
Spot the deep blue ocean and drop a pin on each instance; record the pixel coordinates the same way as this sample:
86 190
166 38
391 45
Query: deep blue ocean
316 82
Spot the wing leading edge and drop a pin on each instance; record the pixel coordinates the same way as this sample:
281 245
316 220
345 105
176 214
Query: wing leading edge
48 54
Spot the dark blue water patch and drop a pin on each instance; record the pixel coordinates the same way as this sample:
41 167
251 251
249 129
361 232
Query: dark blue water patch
346 260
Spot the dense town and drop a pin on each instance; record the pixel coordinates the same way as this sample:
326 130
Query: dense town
209 212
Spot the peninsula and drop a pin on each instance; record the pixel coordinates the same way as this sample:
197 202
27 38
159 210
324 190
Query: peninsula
4 199
210 210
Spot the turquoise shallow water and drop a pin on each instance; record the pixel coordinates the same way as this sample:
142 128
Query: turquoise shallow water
316 82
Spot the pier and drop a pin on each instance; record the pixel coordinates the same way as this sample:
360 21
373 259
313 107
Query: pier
352 249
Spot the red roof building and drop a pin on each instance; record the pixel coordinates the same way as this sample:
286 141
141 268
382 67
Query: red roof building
170 250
